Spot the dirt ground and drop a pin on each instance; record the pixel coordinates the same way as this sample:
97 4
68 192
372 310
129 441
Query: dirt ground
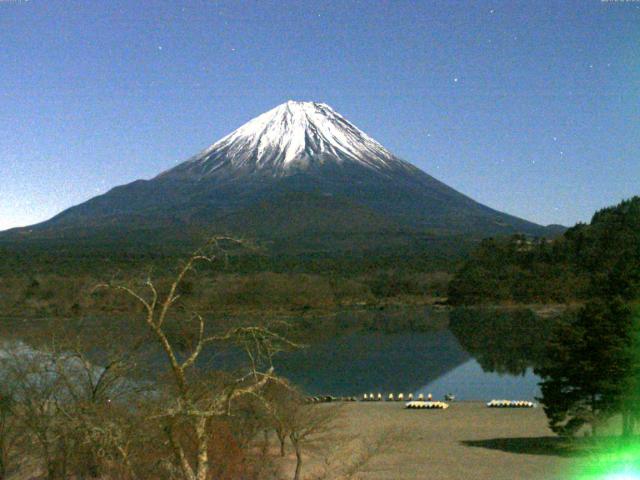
466 441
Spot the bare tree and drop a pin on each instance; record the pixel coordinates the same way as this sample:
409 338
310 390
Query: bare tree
187 416
310 426
281 402
8 433
64 406
36 393
348 456
95 409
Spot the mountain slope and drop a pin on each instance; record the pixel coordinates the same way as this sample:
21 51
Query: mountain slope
269 178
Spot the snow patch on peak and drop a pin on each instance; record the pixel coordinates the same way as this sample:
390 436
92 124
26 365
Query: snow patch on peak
293 136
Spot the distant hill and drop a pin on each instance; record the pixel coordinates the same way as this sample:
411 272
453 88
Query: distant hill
588 259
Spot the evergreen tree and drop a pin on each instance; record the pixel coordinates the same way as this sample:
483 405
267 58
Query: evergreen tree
601 259
586 375
630 399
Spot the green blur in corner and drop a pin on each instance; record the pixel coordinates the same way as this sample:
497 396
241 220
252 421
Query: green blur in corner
614 462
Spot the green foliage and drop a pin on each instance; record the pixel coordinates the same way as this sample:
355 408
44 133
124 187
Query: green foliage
630 399
591 367
515 270
599 259
588 366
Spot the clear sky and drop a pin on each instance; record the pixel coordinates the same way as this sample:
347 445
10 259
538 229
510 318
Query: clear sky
531 107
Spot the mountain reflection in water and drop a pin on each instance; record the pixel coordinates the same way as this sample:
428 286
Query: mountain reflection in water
373 362
474 353
470 382
483 354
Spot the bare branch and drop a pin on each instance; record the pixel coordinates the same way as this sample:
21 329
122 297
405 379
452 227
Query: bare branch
199 344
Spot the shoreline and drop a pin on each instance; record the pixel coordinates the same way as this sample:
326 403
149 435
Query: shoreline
466 441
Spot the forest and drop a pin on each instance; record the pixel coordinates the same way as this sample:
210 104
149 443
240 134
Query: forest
588 259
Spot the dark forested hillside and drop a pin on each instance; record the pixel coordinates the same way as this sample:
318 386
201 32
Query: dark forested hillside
589 259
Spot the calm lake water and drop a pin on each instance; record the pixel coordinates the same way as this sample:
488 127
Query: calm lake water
431 362
476 356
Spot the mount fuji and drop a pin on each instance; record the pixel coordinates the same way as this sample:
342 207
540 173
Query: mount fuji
298 171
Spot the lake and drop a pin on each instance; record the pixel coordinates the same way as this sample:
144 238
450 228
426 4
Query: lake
432 362
476 355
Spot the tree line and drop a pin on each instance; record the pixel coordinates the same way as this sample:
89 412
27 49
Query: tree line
598 258
591 364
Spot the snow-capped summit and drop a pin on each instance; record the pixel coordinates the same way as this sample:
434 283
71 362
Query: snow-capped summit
290 137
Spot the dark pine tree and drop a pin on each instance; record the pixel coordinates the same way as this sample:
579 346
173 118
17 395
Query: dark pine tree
630 399
588 368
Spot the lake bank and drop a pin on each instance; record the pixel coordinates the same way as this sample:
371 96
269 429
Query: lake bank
466 441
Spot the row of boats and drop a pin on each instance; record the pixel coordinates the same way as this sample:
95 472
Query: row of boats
419 402
510 404
370 397
400 397
491 404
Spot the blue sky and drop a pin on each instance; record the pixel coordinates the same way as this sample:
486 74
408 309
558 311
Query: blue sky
531 107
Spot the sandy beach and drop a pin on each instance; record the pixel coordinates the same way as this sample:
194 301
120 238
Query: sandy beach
466 441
